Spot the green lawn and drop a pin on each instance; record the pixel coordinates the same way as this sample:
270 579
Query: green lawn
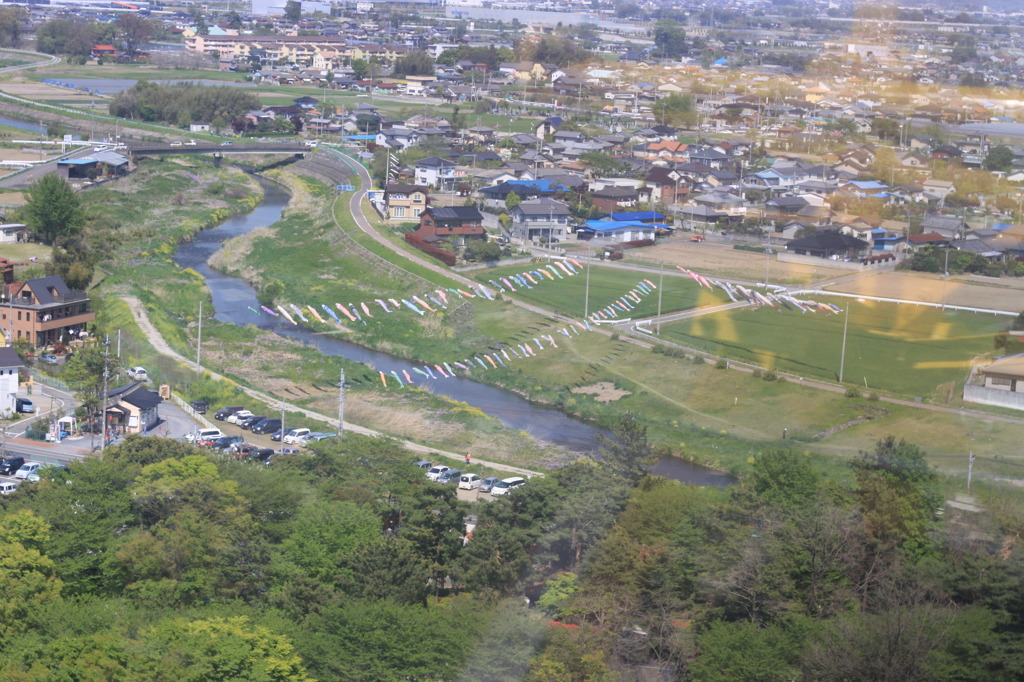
567 295
907 350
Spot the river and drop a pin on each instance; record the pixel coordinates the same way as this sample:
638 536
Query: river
233 297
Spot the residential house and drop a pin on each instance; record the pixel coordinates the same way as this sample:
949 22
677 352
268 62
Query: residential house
949 226
617 230
10 364
405 202
614 198
454 224
45 311
666 185
829 244
540 219
436 172
937 190
132 408
495 196
11 233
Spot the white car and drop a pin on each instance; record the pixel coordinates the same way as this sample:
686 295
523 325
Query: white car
470 481
239 417
27 469
296 436
138 373
435 472
503 486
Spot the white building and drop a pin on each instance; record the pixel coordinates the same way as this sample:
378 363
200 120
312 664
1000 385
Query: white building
10 363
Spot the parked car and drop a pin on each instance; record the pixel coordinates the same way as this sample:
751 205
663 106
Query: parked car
434 472
238 417
505 485
204 434
27 469
11 464
225 442
261 454
267 425
423 464
316 438
24 405
282 432
450 476
296 436
252 421
488 483
7 487
49 358
200 406
138 374
225 412
226 143
287 451
469 481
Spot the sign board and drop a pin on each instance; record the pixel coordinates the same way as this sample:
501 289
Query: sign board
67 139
346 188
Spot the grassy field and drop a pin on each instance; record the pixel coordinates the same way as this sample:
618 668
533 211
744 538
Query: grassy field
567 295
906 350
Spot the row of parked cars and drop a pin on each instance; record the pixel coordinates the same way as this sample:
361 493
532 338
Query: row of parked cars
470 481
23 471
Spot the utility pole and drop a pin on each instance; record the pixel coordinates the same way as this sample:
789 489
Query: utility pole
842 356
586 292
103 399
661 288
199 341
341 405
970 469
118 343
282 424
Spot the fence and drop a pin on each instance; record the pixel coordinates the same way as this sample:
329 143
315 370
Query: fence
991 396
189 410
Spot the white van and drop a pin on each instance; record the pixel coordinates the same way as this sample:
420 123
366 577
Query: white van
469 481
503 486
204 434
295 436
7 487
27 469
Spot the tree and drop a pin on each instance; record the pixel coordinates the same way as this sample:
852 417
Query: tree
30 577
885 128
669 38
628 453
414 63
134 31
512 200
676 109
999 158
784 478
746 651
480 250
603 164
11 20
66 36
360 69
223 649
53 211
293 11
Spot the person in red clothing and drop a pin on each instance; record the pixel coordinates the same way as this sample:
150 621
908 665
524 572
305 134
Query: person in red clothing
469 459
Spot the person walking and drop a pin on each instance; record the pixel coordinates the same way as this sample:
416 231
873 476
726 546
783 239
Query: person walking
469 459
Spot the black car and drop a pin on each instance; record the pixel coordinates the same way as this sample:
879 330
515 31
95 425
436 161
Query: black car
24 405
224 442
225 412
267 426
200 406
11 464
260 454
252 421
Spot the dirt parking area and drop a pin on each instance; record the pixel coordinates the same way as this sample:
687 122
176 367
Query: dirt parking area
722 260
976 292
47 92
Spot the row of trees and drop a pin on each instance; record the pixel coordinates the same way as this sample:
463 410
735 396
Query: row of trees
77 36
182 103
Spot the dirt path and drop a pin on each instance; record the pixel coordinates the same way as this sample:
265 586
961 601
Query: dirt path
162 347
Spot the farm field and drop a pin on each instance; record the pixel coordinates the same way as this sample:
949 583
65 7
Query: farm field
1004 293
902 349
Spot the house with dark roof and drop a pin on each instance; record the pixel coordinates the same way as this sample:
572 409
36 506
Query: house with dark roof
434 171
949 226
829 244
45 311
611 198
454 224
132 408
540 219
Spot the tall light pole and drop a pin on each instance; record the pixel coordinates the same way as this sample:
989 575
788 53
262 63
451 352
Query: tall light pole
341 405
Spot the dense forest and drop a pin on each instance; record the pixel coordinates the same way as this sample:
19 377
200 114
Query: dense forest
183 103
162 561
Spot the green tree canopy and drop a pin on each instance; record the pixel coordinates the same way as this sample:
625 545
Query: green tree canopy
669 38
53 211
999 158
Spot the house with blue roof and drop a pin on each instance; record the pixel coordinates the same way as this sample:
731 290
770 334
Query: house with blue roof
646 217
618 230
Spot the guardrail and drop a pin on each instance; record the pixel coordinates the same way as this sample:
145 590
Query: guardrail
900 301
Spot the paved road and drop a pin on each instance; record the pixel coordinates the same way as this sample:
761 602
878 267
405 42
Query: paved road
22 179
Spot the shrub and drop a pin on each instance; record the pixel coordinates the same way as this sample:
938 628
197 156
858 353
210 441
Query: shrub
757 374
771 375
722 364
851 392
873 396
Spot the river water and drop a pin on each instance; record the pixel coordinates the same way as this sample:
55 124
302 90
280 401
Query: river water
233 298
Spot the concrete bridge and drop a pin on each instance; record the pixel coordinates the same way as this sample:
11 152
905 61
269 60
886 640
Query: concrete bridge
203 147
